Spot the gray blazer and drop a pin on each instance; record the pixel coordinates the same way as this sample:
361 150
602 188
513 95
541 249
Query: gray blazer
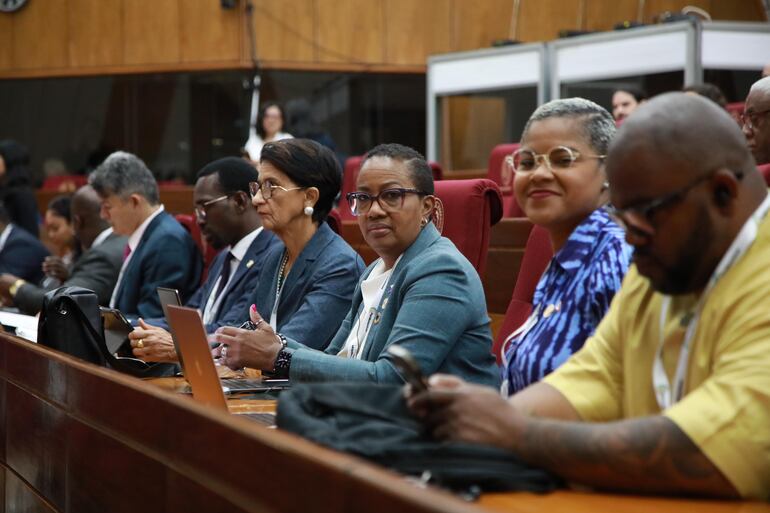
97 269
433 305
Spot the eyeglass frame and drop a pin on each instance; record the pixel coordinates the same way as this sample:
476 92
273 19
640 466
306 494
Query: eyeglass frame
544 158
647 209
271 186
751 117
376 197
201 211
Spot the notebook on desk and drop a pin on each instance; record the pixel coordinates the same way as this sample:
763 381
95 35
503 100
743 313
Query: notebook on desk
199 369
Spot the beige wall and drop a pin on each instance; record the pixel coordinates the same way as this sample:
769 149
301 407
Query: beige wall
72 37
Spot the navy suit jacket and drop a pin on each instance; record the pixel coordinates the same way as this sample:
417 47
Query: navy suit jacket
23 255
241 286
165 257
317 292
433 306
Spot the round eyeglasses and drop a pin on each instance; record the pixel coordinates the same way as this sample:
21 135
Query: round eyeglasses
557 159
750 119
266 188
388 199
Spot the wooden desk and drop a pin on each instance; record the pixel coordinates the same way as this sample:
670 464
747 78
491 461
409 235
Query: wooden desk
80 439
585 502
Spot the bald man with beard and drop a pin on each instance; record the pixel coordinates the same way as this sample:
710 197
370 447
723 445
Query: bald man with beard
671 393
755 120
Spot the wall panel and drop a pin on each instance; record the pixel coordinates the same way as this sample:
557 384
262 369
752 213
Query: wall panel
208 32
6 42
743 10
541 20
284 31
40 35
653 8
602 15
415 30
151 31
350 31
95 32
476 24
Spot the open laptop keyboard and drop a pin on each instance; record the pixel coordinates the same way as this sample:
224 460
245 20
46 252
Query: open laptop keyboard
266 419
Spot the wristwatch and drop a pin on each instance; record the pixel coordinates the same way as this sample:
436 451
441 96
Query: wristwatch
15 287
283 360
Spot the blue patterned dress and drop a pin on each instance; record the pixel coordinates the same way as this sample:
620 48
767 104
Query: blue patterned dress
571 298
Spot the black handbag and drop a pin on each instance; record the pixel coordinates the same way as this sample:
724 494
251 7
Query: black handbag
70 322
374 422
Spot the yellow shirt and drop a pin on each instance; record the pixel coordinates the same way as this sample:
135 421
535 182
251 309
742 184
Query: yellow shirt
726 407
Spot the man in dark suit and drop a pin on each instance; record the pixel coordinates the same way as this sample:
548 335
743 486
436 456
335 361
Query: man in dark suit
97 268
160 252
21 254
227 220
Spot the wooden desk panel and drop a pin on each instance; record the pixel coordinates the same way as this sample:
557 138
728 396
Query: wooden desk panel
585 502
86 439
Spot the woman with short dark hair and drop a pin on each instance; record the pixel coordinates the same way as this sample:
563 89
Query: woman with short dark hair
422 294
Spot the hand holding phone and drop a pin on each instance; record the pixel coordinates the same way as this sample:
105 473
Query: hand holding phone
408 367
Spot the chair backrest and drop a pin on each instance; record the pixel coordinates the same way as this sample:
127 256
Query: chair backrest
765 170
334 220
352 165
64 183
438 172
471 207
735 108
537 254
498 172
207 251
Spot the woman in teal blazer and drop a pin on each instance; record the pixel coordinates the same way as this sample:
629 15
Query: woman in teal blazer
422 293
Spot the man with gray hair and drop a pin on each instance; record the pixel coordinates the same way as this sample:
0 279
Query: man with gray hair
159 253
756 120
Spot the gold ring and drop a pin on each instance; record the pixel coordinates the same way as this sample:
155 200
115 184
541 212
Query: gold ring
140 343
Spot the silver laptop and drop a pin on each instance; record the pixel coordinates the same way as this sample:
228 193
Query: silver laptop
200 370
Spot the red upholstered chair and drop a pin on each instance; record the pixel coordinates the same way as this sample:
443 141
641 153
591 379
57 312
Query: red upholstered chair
438 172
765 170
207 251
471 207
334 220
64 183
536 257
504 178
352 165
735 110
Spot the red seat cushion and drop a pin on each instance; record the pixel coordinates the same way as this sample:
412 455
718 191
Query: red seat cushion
471 207
765 170
537 254
504 178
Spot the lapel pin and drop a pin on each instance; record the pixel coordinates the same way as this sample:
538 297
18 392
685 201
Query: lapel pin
249 264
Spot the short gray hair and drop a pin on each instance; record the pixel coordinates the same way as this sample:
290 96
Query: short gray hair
123 174
598 124
761 86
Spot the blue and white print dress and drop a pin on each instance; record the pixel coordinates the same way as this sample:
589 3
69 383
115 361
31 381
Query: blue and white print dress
571 298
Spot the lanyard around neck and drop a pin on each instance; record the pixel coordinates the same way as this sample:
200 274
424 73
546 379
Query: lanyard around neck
667 395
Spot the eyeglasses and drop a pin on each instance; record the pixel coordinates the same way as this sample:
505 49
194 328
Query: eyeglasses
388 199
558 158
266 188
646 211
201 210
749 119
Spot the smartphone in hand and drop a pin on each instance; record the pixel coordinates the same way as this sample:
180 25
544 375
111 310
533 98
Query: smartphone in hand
408 367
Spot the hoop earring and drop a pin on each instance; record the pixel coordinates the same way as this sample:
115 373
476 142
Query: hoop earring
605 186
423 222
308 211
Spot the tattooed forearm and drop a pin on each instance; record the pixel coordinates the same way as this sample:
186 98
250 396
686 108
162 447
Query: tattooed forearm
644 455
